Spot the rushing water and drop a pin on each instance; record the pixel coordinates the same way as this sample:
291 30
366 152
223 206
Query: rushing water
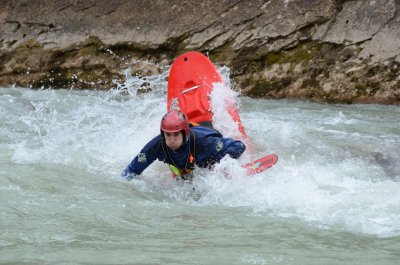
333 197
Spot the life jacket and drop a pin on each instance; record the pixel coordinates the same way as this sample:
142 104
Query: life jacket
184 173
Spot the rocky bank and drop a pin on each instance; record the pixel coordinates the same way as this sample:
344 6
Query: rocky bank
324 50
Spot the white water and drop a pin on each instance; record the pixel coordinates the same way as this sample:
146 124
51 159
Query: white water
333 195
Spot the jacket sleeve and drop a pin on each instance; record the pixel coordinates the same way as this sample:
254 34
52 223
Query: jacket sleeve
147 155
215 148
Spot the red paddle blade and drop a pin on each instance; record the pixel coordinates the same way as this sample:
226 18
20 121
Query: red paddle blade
260 164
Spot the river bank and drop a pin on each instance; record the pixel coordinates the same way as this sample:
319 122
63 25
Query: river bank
327 51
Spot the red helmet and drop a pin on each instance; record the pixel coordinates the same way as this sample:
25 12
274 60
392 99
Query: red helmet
175 121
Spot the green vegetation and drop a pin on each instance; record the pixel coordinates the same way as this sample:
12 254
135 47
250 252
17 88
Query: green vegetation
304 52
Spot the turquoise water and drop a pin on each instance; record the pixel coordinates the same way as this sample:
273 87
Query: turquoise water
333 197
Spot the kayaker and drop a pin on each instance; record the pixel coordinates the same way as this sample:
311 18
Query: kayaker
183 147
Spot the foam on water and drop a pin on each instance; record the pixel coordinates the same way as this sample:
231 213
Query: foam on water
222 97
327 175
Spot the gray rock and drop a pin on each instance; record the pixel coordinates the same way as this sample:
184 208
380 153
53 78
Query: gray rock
326 50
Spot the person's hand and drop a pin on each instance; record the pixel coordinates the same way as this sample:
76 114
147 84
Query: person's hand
127 175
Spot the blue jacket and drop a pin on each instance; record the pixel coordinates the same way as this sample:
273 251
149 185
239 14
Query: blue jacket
210 148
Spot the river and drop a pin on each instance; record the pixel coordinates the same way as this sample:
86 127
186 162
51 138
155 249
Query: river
332 198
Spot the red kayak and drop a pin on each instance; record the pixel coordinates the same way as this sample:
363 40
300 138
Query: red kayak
190 83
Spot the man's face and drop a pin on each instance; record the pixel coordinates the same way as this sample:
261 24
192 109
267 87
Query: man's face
173 140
